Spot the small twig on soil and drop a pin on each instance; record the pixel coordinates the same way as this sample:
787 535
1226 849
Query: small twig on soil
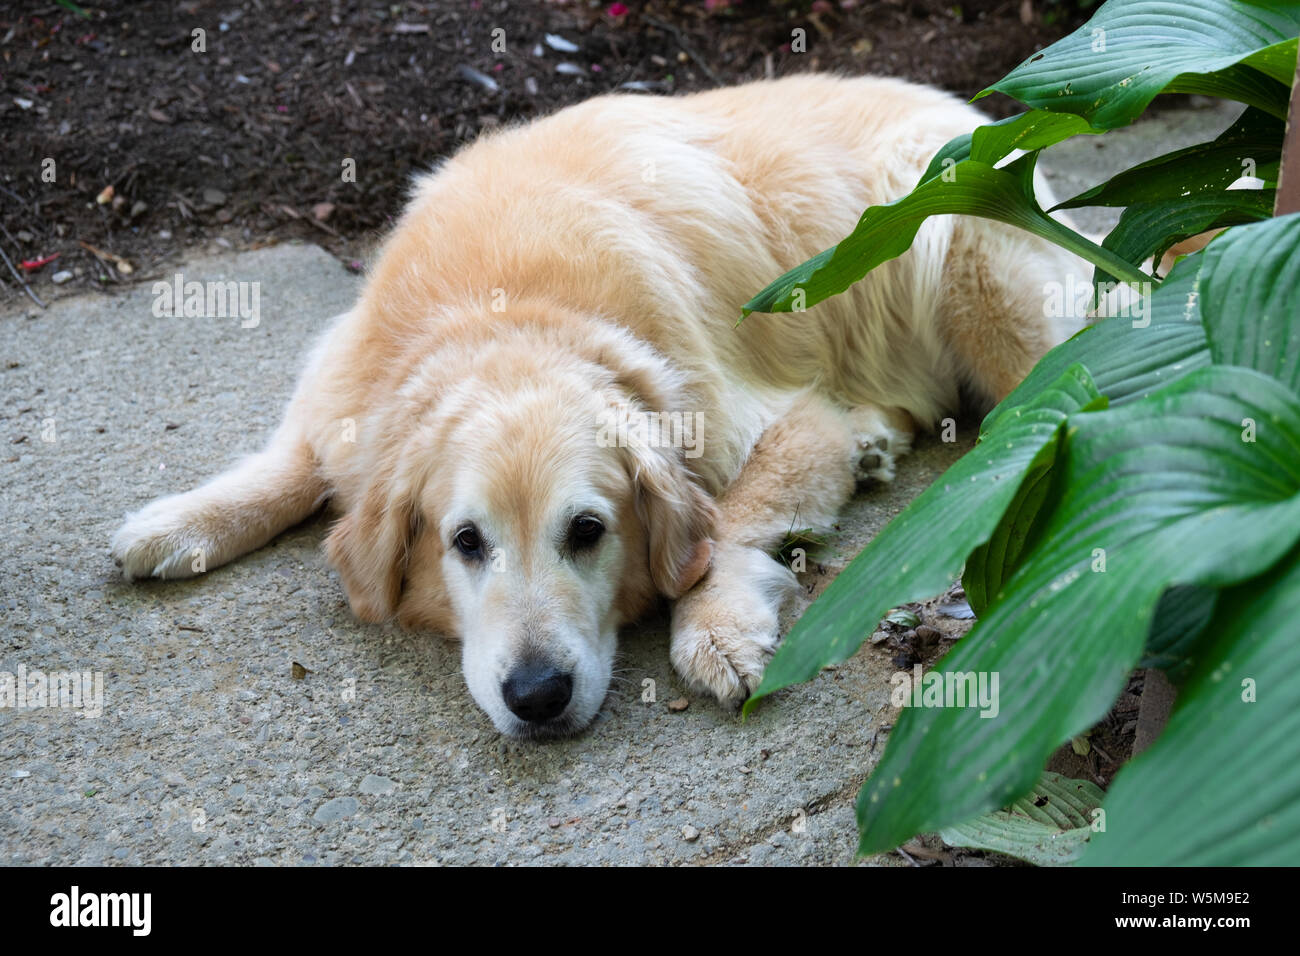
903 853
681 42
100 253
21 281
295 214
102 257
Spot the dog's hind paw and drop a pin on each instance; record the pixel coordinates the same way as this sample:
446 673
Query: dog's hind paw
874 462
878 444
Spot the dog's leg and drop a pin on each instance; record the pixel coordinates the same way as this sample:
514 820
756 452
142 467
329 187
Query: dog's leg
799 474
242 509
1008 299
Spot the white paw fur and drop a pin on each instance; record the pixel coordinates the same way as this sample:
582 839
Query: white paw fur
726 628
164 539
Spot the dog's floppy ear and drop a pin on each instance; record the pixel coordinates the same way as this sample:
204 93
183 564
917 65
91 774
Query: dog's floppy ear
677 514
679 519
369 545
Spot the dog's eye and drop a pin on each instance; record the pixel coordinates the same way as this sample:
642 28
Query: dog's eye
469 543
584 532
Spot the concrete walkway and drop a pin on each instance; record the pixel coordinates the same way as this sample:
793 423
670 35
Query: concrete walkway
214 747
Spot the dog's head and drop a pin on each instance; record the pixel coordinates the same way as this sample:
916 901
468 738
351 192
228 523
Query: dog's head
506 500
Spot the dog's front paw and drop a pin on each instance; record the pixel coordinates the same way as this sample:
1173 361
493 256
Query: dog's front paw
722 655
726 629
163 540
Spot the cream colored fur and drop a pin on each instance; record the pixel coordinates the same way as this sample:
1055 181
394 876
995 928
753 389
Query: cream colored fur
589 268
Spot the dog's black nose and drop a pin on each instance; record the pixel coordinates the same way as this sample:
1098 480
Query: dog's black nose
536 691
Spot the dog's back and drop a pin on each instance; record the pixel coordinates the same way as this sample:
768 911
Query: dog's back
668 214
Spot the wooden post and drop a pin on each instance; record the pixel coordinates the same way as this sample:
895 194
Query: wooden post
1288 175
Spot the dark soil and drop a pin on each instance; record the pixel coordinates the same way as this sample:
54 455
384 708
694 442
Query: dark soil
1095 756
244 144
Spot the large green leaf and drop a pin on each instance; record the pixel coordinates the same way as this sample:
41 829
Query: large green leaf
907 561
1248 298
993 142
1250 146
1158 493
1181 618
1050 825
1129 356
951 185
1251 272
993 562
1109 69
1128 363
1149 229
1221 784
1243 82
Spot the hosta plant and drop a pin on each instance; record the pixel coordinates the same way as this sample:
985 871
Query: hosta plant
1135 502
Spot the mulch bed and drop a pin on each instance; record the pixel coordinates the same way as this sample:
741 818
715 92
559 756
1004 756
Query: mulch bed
157 148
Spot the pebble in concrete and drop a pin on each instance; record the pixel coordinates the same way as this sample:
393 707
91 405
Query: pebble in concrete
340 808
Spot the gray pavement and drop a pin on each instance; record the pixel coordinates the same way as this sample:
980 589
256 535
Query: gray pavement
214 748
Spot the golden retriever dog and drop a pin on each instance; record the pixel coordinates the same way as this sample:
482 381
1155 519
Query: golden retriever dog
542 417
